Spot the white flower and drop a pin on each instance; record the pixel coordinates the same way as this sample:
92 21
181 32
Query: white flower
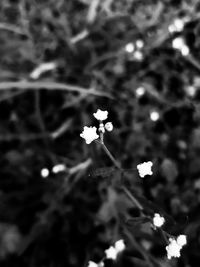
109 126
179 24
140 91
119 245
101 115
138 56
130 48
178 43
58 168
154 116
173 249
111 253
89 134
44 172
181 240
139 43
185 50
92 264
145 169
158 220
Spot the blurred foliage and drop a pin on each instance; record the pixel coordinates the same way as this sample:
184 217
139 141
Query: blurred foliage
71 217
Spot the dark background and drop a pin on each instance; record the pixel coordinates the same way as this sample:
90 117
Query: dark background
71 217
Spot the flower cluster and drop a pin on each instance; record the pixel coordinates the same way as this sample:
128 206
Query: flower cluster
177 25
175 246
113 251
179 44
145 169
158 220
93 264
134 49
90 133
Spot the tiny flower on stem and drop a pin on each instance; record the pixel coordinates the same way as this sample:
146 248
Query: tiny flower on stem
113 251
145 169
89 134
181 240
109 126
175 246
101 115
44 172
173 249
119 245
158 220
93 264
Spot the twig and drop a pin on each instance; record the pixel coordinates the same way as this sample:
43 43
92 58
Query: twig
92 11
62 129
25 85
12 28
132 198
110 156
80 36
126 191
81 166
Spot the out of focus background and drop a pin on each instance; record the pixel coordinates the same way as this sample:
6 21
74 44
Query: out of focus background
61 202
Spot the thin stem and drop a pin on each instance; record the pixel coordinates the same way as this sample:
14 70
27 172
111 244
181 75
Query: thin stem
132 198
126 191
111 156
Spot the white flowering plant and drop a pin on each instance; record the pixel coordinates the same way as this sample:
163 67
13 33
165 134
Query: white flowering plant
100 130
144 169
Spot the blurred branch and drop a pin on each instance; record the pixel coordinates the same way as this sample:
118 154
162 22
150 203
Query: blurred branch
25 85
62 129
80 36
81 166
12 28
92 11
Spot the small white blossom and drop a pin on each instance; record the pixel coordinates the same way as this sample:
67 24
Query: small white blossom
109 126
178 43
158 220
138 55
111 253
58 168
191 90
101 115
89 134
145 169
179 24
139 43
140 91
44 172
92 264
185 50
181 240
130 48
173 249
154 116
172 28
119 245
